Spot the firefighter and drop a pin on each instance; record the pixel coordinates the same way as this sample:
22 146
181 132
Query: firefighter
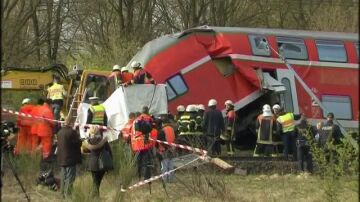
126 131
45 133
141 144
190 133
201 110
140 75
115 77
180 111
126 75
266 143
56 92
35 112
286 127
96 113
276 109
166 152
305 132
23 143
230 117
329 133
213 126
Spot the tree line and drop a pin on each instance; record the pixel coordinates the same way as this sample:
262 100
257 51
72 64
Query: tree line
104 32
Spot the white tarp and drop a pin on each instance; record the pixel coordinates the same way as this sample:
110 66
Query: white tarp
126 100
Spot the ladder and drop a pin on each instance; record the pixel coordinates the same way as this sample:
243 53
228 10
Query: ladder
72 114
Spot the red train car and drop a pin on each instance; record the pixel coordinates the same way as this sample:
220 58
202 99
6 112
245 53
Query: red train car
231 63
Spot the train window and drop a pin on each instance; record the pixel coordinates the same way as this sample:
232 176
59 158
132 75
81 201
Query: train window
176 86
339 105
357 48
331 51
288 101
292 48
259 45
224 65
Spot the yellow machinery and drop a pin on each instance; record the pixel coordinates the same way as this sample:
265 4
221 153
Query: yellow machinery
20 83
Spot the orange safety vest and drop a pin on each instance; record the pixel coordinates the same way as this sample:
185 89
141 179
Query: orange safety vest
127 77
137 137
169 136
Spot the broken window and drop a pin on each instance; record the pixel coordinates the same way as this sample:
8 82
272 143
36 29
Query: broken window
292 48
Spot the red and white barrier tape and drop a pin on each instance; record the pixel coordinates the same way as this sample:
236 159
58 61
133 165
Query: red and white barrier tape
194 149
197 150
141 183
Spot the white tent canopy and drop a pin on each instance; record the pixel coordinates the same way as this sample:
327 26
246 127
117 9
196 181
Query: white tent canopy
125 100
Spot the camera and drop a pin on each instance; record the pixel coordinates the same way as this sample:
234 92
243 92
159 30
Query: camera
6 129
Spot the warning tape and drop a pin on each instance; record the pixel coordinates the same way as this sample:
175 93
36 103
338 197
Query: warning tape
141 183
194 149
186 147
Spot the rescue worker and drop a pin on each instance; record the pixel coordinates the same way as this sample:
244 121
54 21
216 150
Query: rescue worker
45 133
266 143
305 132
180 111
126 75
276 109
213 126
96 113
56 92
141 144
115 77
329 133
228 135
201 110
126 131
23 143
166 152
140 75
286 127
190 132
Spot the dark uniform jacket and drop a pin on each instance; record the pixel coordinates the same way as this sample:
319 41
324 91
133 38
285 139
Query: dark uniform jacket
94 154
305 132
68 144
213 122
330 132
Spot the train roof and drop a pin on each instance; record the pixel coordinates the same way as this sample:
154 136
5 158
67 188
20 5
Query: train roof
155 46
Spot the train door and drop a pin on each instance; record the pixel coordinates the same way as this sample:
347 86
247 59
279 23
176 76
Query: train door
288 98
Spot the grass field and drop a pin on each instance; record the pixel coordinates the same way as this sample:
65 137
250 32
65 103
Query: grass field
290 187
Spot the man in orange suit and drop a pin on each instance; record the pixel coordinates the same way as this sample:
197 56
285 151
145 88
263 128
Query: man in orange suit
23 143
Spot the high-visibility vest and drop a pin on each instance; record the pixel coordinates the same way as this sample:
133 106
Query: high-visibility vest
138 138
287 121
55 92
269 139
98 114
127 77
169 137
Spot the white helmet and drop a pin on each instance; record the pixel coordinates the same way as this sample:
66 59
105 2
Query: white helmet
191 108
116 67
180 108
229 102
201 107
123 69
276 107
135 64
266 110
212 102
26 100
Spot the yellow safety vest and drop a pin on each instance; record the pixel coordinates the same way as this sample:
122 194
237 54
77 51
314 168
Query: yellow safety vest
287 121
55 92
98 114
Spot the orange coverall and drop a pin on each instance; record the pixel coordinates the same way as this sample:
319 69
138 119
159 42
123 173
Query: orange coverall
45 129
34 139
23 143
